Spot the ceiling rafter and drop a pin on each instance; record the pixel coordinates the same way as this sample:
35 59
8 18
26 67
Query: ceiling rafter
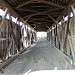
30 10
38 13
24 4
40 20
44 28
51 3
41 1
41 23
44 12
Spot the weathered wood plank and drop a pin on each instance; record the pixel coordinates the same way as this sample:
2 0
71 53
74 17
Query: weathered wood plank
42 56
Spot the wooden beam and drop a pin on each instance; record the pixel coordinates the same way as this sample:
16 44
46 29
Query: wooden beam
57 32
39 13
24 4
26 20
73 10
47 26
38 25
51 36
40 20
21 9
41 1
9 48
44 18
52 4
72 49
53 19
67 31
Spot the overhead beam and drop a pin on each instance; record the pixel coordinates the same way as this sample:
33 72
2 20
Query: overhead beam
28 2
39 18
44 12
53 19
52 4
48 27
21 9
41 29
38 23
41 1
44 19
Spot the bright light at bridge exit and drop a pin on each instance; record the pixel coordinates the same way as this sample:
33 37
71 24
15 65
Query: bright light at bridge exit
41 34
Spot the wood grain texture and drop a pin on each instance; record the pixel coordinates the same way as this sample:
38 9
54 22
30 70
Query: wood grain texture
41 56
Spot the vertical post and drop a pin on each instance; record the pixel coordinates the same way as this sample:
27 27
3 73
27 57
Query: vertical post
62 25
47 36
10 44
57 29
67 31
18 36
27 36
55 35
51 36
70 39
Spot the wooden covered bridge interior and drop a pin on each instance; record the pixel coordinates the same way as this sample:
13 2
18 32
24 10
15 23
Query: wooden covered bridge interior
20 51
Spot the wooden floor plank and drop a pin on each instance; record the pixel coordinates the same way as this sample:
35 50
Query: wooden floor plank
41 56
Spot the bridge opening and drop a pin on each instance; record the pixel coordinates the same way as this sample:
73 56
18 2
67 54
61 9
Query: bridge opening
41 35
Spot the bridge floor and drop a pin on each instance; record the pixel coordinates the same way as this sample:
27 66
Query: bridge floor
41 56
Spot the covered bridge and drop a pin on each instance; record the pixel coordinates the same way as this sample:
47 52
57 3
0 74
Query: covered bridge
20 50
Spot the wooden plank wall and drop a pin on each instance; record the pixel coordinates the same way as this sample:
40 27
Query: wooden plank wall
63 36
11 42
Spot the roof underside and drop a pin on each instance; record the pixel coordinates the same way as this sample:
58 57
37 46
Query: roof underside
36 12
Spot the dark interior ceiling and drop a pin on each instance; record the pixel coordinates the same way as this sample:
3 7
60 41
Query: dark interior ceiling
36 12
